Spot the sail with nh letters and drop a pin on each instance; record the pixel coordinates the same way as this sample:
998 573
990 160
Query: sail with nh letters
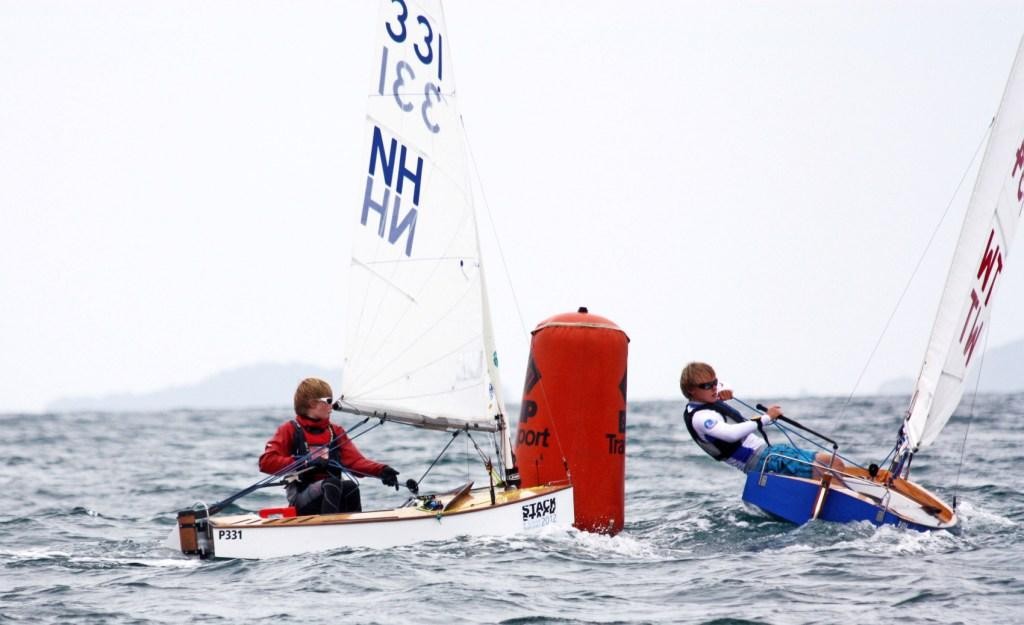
419 342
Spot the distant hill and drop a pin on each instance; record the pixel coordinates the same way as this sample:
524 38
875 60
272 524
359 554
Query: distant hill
897 386
245 387
273 385
1000 373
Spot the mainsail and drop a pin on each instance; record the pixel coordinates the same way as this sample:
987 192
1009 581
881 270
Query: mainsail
418 341
993 212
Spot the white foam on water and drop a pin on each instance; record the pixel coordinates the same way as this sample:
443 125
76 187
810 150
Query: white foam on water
165 563
970 515
35 553
45 553
619 545
890 540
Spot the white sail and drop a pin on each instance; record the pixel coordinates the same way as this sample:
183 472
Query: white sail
993 212
417 340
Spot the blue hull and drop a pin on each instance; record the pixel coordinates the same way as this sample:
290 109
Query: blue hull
792 499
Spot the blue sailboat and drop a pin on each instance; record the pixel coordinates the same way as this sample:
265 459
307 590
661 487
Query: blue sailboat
887 496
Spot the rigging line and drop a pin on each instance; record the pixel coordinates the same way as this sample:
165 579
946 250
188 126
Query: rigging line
508 279
455 435
497 451
554 428
367 374
355 427
447 391
787 432
885 460
266 481
422 367
426 283
485 460
970 418
917 267
494 229
480 452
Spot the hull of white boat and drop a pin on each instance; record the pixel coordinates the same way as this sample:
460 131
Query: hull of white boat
251 537
858 498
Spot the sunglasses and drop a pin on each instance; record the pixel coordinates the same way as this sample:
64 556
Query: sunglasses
327 400
707 386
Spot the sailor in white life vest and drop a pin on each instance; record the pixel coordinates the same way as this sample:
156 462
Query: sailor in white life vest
727 436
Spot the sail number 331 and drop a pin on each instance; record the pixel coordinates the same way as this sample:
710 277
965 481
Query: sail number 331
427 48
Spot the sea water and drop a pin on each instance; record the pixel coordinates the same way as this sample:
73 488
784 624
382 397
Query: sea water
90 497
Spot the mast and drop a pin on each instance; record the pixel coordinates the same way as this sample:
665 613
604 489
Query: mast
497 403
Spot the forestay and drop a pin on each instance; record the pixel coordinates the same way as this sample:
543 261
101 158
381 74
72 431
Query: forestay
418 341
993 212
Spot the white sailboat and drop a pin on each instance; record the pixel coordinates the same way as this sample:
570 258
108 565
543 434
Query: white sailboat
419 346
994 210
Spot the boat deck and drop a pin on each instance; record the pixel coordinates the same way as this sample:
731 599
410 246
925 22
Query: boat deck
460 500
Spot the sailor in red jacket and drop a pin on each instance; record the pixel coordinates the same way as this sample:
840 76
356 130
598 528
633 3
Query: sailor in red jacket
320 488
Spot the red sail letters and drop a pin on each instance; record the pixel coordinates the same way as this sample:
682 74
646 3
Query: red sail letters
989 269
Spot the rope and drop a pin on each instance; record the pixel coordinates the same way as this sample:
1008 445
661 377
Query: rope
967 430
451 440
269 480
480 452
494 230
787 432
508 278
917 267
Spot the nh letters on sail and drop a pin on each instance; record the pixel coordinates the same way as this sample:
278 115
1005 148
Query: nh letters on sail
391 178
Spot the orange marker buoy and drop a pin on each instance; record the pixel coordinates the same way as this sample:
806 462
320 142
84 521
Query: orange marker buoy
573 415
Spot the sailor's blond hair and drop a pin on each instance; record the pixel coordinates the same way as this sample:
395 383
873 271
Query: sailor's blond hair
693 374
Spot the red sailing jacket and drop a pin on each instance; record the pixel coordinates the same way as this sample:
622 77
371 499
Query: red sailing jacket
278 452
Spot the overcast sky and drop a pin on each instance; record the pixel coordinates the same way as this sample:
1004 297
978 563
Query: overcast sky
747 183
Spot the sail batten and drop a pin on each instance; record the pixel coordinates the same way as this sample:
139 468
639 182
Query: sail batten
990 222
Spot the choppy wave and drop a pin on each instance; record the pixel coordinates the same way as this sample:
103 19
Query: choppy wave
81 537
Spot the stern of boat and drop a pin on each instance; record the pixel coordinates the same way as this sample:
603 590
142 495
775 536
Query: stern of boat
192 534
